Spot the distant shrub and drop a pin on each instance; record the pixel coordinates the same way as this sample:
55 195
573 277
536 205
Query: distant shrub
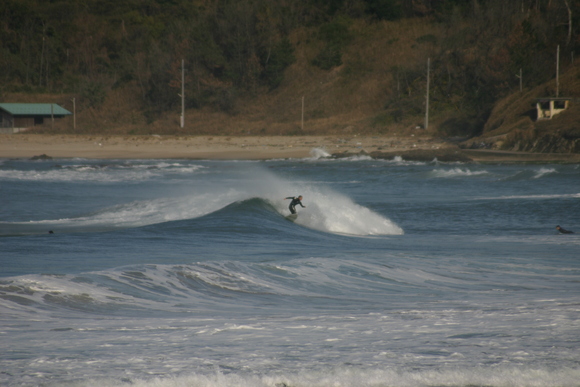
384 9
94 93
336 34
328 57
280 57
429 38
226 100
459 126
381 119
397 115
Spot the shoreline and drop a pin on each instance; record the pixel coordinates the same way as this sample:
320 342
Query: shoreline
25 146
416 148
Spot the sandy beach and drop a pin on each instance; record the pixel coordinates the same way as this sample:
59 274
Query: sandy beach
424 148
200 147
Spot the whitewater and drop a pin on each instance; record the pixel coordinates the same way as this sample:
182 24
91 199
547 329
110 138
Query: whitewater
187 273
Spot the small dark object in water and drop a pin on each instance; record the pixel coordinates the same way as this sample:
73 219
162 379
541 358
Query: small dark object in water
41 157
564 231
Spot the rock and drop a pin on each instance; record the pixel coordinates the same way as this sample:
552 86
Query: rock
41 157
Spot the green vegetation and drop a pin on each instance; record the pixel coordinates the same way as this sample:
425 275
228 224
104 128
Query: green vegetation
335 35
238 50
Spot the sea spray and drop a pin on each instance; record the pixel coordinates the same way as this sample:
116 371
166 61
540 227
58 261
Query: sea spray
326 210
332 212
319 153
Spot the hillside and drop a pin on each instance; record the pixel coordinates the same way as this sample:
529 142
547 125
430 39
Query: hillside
360 67
349 98
513 126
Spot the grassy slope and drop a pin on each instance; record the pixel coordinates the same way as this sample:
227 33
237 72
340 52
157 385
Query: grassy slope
348 99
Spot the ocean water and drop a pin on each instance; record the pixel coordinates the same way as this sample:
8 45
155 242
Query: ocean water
186 273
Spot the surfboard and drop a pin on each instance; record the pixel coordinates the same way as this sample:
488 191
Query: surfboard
292 217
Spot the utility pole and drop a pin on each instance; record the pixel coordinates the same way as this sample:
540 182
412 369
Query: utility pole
558 72
51 116
427 95
74 114
521 80
41 60
302 122
182 93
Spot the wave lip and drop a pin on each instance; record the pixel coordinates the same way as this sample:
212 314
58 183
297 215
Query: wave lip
332 214
326 210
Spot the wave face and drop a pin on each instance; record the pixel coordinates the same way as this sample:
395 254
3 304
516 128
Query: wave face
328 211
397 273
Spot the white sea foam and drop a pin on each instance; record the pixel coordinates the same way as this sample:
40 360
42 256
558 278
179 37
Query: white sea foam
249 299
532 197
328 210
133 214
543 172
318 153
199 331
456 172
100 172
338 214
399 161
360 377
359 158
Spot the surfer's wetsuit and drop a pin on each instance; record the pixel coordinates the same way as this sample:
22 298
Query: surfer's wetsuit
563 231
295 201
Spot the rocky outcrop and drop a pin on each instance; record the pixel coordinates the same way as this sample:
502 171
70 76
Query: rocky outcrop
547 142
41 157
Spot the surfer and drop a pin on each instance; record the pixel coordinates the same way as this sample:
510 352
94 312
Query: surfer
295 201
564 231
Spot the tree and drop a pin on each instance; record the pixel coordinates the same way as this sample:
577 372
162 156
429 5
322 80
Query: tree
384 9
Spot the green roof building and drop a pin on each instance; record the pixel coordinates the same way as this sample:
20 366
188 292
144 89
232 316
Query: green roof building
17 116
